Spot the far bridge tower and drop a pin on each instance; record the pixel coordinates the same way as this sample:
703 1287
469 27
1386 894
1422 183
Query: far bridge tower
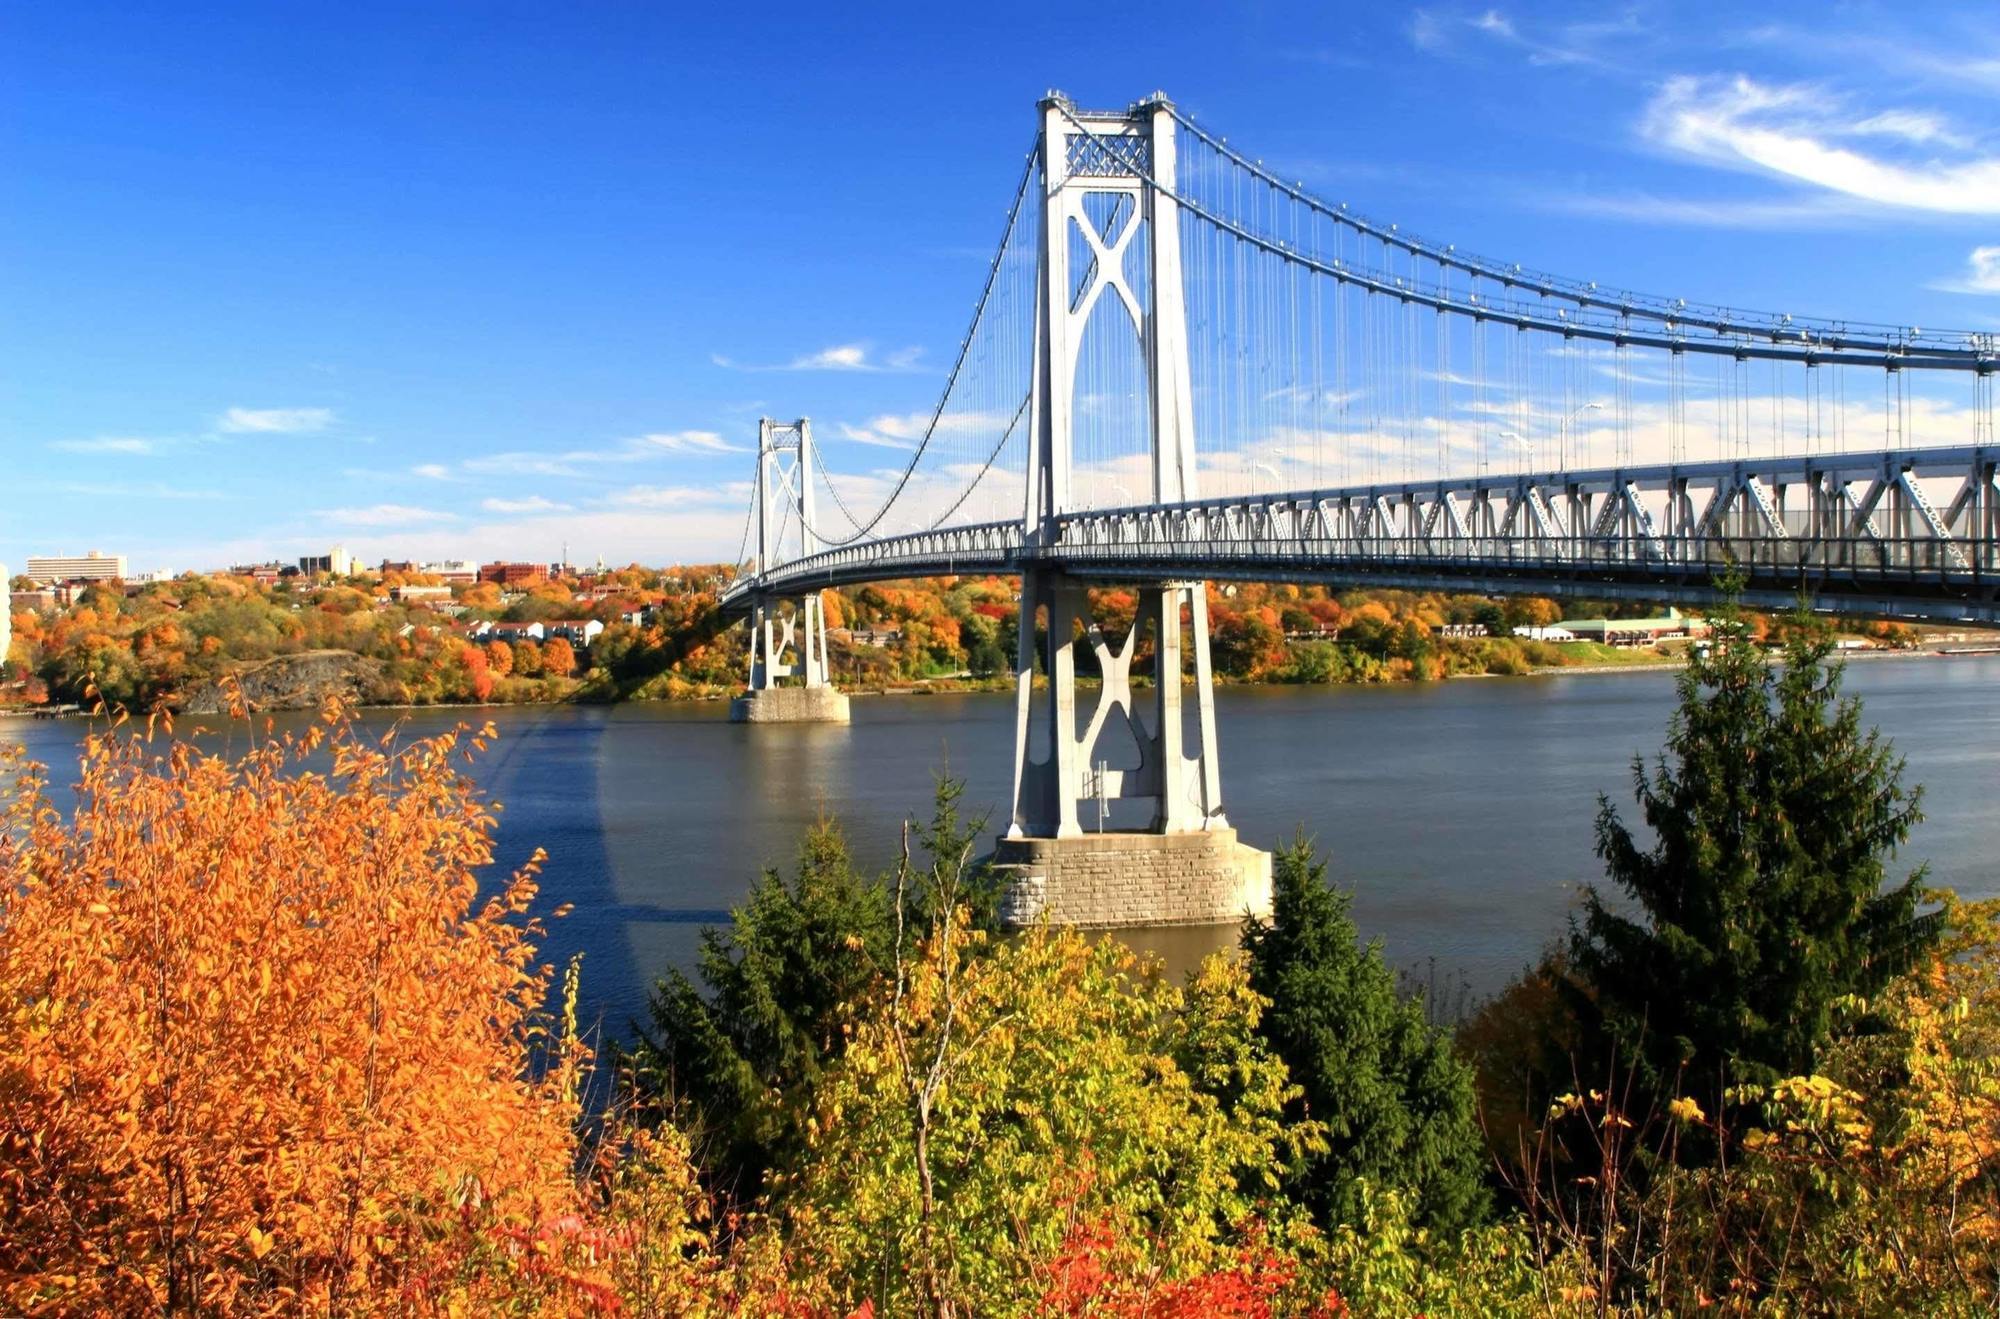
787 635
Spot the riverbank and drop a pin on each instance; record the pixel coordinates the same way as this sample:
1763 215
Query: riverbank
583 694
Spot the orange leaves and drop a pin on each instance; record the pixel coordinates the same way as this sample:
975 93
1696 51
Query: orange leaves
260 1026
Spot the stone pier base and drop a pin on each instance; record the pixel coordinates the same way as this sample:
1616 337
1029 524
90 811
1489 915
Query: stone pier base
790 705
1109 880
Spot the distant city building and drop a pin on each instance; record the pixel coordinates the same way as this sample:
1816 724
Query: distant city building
511 574
45 569
1636 631
414 594
157 575
403 566
42 597
578 632
453 571
509 632
264 574
335 563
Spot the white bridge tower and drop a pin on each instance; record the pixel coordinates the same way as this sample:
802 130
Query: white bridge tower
1184 865
787 636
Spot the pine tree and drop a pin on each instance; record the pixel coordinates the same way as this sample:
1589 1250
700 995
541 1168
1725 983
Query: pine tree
737 1065
734 1066
1396 1101
1761 900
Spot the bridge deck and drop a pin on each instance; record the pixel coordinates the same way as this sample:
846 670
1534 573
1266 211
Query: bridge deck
1903 534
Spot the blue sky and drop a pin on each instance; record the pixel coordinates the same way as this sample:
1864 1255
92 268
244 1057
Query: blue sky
484 279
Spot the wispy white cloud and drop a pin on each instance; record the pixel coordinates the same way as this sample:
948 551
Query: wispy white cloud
150 490
531 504
840 357
573 462
668 496
1967 57
432 471
1446 31
677 442
881 439
622 535
274 421
1805 134
1810 211
385 515
906 430
1982 273
125 444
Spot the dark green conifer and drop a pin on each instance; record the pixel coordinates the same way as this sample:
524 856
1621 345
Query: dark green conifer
733 1065
1396 1101
1759 902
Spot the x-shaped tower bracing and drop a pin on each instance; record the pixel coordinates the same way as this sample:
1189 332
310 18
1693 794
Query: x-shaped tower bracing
787 636
1105 179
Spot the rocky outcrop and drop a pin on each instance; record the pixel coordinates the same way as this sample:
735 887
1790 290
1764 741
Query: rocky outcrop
291 682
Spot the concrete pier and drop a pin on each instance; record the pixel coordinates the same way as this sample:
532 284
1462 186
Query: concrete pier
790 705
1109 880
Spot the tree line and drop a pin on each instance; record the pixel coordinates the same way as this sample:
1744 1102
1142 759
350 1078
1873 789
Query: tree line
664 637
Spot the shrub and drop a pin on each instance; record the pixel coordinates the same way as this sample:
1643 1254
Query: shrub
263 1044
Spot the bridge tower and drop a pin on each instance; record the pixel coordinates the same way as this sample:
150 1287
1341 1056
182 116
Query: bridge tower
1106 179
787 636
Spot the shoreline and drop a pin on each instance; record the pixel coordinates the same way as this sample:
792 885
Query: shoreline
926 688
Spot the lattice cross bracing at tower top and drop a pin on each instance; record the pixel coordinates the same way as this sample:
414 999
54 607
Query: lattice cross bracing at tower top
1180 364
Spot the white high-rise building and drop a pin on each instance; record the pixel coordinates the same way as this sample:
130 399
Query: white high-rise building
336 563
96 566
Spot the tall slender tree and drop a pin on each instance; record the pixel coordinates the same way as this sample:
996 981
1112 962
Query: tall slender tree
1762 898
1396 1103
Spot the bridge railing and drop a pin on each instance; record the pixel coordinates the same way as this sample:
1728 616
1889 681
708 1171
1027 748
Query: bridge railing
1846 524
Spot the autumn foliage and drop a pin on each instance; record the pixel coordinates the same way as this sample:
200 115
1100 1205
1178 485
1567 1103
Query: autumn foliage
264 1042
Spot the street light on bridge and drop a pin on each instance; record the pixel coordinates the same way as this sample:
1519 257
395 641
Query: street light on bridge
1562 436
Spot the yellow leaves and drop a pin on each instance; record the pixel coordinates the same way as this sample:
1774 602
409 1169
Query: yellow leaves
1686 1110
275 985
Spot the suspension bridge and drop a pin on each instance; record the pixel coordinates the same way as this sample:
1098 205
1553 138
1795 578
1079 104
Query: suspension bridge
1182 367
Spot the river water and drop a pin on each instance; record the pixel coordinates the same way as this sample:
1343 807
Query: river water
1459 812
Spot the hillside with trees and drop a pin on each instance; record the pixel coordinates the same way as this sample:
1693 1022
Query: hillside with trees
663 638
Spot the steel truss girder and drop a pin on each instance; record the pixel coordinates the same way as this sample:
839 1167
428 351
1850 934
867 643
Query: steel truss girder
1925 532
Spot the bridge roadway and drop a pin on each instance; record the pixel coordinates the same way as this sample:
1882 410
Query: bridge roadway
1907 533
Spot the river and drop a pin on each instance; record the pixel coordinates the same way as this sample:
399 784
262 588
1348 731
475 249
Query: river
1459 812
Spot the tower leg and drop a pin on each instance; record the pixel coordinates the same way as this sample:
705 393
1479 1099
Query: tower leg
1186 866
781 647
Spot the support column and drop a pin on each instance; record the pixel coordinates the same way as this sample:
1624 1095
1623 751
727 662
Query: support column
1080 764
788 640
1116 820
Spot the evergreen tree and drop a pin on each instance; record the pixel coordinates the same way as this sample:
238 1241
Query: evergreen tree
1396 1102
1761 899
738 1064
735 1065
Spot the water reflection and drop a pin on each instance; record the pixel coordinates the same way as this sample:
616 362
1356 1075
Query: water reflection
1460 812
